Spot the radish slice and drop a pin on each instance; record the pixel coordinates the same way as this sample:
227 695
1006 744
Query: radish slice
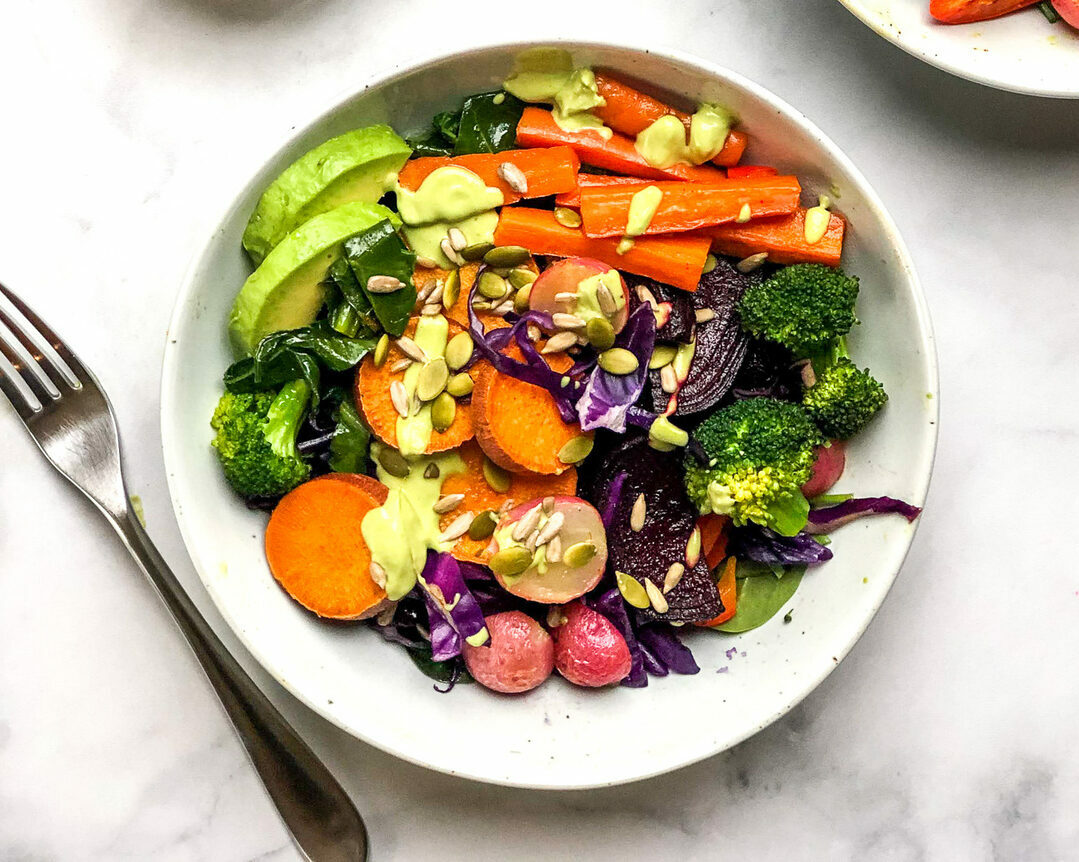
564 277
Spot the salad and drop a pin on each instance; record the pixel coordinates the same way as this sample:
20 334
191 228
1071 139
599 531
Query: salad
559 383
971 11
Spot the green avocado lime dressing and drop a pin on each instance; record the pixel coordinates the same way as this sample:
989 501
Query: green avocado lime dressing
450 196
817 220
414 430
400 531
642 209
548 75
663 144
587 304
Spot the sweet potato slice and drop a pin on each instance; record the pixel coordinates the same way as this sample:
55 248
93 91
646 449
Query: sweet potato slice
316 551
480 496
372 395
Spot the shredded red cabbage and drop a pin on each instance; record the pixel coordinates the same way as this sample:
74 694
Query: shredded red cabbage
453 612
767 546
614 494
831 517
607 397
661 645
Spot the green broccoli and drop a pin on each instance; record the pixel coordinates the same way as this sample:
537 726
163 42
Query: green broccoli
256 439
803 307
760 452
844 398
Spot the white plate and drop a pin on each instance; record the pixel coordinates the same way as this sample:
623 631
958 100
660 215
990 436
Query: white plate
560 736
1021 52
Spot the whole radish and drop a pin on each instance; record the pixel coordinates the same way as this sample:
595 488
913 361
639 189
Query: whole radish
831 459
518 657
588 649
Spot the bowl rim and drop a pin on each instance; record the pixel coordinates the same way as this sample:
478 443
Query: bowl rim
860 10
171 369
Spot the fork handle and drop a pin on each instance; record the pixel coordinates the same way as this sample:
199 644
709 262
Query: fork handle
313 806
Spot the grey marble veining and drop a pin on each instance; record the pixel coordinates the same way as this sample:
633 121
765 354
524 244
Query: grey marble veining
949 733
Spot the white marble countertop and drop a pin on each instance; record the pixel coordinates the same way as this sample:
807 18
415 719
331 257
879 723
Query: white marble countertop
948 733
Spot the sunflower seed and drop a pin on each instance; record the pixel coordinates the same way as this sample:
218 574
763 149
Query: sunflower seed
400 365
693 548
505 507
703 315
448 503
567 321
631 590
554 550
526 524
514 177
385 616
751 263
548 505
382 350
637 514
532 541
451 289
668 380
431 310
426 262
510 561
567 217
565 296
579 554
457 238
384 284
655 597
378 575
435 296
555 617
575 450
503 308
411 349
606 299
393 462
425 291
534 332
673 576
558 342
451 252
645 295
399 397
431 471
457 528
551 528
482 526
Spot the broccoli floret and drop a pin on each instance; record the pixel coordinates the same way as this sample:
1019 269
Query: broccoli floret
843 399
803 307
256 439
760 452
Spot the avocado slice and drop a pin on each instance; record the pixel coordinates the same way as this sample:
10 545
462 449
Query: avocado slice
360 165
286 291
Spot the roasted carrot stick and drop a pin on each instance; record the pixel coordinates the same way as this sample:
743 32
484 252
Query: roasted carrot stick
713 538
728 593
784 239
630 112
689 206
742 172
676 259
573 198
547 170
538 128
969 11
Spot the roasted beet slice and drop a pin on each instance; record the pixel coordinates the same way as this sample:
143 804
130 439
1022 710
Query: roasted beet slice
768 370
676 307
669 520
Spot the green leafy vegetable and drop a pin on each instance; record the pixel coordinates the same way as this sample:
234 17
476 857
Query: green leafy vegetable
488 123
380 251
348 448
346 290
440 138
760 597
451 671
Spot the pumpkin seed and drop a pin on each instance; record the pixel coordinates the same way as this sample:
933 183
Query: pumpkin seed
431 471
443 412
558 342
492 285
459 351
521 276
751 263
710 263
663 354
631 590
618 360
476 250
520 299
637 514
526 524
451 289
600 333
460 385
507 255
448 503
382 350
655 597
432 379
495 476
567 217
673 576
579 554
510 561
482 526
399 398
693 548
393 462
457 528
575 450
665 431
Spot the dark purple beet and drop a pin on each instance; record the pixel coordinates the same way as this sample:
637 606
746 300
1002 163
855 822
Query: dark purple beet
768 371
669 521
680 319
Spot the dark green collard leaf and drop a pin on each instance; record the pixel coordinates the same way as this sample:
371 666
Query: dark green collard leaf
487 127
380 251
439 139
451 672
761 597
448 124
348 448
344 288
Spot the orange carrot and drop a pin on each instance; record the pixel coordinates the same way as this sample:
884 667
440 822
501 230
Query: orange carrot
372 395
728 593
713 538
547 170
969 11
689 206
518 424
573 198
675 259
316 551
741 172
630 112
481 497
784 239
538 128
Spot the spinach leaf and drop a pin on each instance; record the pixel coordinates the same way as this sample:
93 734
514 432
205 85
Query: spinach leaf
487 127
760 597
451 672
348 448
347 290
439 139
380 251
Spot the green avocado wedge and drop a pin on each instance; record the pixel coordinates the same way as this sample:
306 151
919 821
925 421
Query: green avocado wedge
286 291
361 165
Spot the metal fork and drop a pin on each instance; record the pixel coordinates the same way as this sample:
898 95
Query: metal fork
69 416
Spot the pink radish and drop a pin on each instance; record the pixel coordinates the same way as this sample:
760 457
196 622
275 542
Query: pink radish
831 459
588 649
518 657
563 277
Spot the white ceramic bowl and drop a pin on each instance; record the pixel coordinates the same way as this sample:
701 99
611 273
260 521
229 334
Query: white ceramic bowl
1021 52
560 736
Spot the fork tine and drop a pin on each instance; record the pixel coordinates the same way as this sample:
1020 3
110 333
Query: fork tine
20 351
20 395
47 342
